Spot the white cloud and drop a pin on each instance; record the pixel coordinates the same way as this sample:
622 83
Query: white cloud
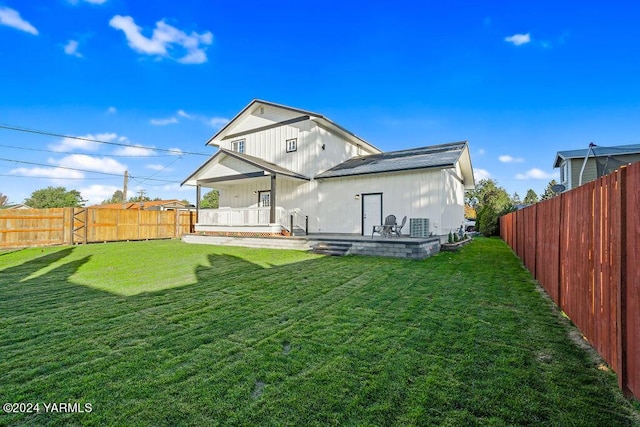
98 164
95 194
11 18
70 144
155 167
518 39
134 150
481 151
164 122
165 38
71 48
218 122
88 1
175 152
54 173
481 174
536 173
112 110
182 113
510 159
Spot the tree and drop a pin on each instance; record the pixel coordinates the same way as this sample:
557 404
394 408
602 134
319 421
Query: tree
137 199
490 202
210 200
531 197
515 199
4 200
117 197
548 192
54 197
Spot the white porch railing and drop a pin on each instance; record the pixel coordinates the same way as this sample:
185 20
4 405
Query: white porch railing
243 216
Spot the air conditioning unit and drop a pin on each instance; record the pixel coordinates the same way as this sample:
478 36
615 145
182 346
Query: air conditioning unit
419 227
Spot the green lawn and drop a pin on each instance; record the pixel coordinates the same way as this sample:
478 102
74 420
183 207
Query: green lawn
165 333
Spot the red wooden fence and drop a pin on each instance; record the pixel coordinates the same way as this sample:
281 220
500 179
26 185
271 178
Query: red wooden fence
583 246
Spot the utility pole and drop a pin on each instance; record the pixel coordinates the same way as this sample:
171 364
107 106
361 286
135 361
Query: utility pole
124 189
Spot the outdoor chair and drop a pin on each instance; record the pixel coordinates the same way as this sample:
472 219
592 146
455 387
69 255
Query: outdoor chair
398 228
385 229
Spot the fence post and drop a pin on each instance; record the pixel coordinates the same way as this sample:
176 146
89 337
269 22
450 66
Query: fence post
623 374
561 203
175 225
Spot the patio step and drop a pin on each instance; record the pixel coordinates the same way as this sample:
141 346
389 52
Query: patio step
331 248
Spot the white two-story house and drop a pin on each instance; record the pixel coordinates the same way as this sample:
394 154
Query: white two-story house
282 170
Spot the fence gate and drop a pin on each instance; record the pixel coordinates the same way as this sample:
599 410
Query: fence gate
79 225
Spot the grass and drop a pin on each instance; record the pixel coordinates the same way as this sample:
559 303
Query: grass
165 333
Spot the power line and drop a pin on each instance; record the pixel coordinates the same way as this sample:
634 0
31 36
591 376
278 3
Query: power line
75 169
83 154
52 177
157 172
80 138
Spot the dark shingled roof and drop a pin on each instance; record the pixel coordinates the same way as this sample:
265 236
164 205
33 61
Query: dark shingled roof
436 156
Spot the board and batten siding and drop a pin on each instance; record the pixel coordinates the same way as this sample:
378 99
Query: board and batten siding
263 116
416 194
309 159
229 166
290 193
590 171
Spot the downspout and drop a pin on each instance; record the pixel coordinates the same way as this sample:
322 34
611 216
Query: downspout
584 164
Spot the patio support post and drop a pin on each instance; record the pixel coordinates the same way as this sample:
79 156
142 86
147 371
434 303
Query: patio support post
272 199
197 201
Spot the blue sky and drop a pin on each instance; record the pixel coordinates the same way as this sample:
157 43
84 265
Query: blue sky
518 80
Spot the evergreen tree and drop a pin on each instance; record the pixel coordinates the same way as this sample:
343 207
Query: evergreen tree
548 192
531 197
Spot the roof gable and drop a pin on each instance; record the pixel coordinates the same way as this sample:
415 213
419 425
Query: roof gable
261 114
227 163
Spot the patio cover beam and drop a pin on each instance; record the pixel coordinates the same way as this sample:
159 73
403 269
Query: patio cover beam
272 200
231 177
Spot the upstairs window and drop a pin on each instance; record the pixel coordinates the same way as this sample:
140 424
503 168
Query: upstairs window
564 172
237 146
292 145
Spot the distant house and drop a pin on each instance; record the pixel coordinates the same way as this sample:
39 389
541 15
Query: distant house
151 205
602 160
15 206
281 169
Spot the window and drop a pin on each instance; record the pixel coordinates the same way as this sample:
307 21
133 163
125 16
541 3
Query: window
237 146
564 172
264 198
292 145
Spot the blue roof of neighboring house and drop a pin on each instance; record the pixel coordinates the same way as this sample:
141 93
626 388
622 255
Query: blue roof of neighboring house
597 152
445 155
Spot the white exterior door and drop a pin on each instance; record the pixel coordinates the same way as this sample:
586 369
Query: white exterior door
371 212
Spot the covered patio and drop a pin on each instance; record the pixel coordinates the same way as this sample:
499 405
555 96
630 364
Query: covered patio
252 202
